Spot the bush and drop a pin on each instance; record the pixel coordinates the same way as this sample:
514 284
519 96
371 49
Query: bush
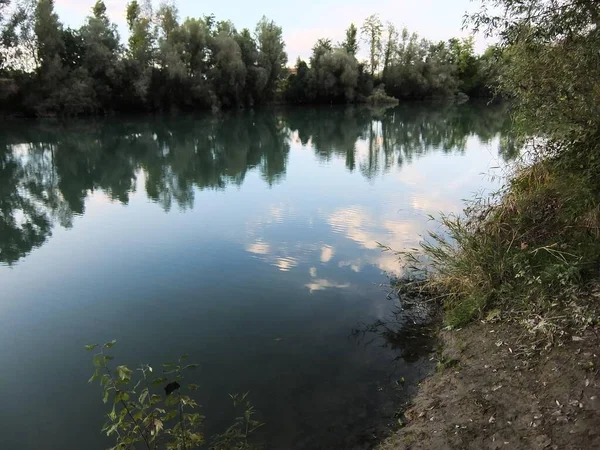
155 409
379 97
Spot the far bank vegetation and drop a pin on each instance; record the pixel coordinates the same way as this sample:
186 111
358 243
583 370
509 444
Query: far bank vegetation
170 63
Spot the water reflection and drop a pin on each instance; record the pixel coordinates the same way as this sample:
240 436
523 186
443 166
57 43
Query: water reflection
266 259
47 170
408 328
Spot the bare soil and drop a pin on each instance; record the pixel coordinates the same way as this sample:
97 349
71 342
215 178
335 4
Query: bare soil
490 394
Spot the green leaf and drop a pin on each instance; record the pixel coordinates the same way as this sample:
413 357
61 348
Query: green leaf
158 381
110 344
124 373
191 366
143 396
99 360
95 376
170 415
89 348
112 429
105 397
113 415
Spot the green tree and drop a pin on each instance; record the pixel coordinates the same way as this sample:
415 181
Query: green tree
4 32
256 77
61 91
194 37
440 72
48 32
171 44
100 54
391 44
405 74
300 85
229 73
372 31
272 56
350 44
142 38
320 49
462 54
18 48
552 60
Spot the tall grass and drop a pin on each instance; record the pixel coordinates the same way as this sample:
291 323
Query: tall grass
520 251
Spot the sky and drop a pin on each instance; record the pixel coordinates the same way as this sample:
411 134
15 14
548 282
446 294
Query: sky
305 21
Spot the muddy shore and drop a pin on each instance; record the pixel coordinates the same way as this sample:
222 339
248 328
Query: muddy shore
493 391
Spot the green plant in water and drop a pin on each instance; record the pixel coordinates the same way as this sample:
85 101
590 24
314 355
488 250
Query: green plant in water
155 412
237 435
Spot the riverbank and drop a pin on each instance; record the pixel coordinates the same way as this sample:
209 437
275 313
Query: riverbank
517 278
493 391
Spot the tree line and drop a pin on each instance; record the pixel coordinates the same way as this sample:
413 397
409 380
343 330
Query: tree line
400 63
170 64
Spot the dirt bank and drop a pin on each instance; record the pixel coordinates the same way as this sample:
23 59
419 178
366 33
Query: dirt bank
492 391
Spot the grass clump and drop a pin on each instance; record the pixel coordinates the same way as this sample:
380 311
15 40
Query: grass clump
523 250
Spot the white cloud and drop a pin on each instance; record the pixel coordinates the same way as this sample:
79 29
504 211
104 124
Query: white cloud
327 253
357 224
322 284
259 248
285 264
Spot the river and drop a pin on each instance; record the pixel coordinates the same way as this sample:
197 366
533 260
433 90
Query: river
247 240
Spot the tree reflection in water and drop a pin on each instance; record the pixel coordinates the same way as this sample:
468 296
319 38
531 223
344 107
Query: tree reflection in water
48 170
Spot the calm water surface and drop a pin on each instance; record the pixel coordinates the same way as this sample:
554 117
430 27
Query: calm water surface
248 241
